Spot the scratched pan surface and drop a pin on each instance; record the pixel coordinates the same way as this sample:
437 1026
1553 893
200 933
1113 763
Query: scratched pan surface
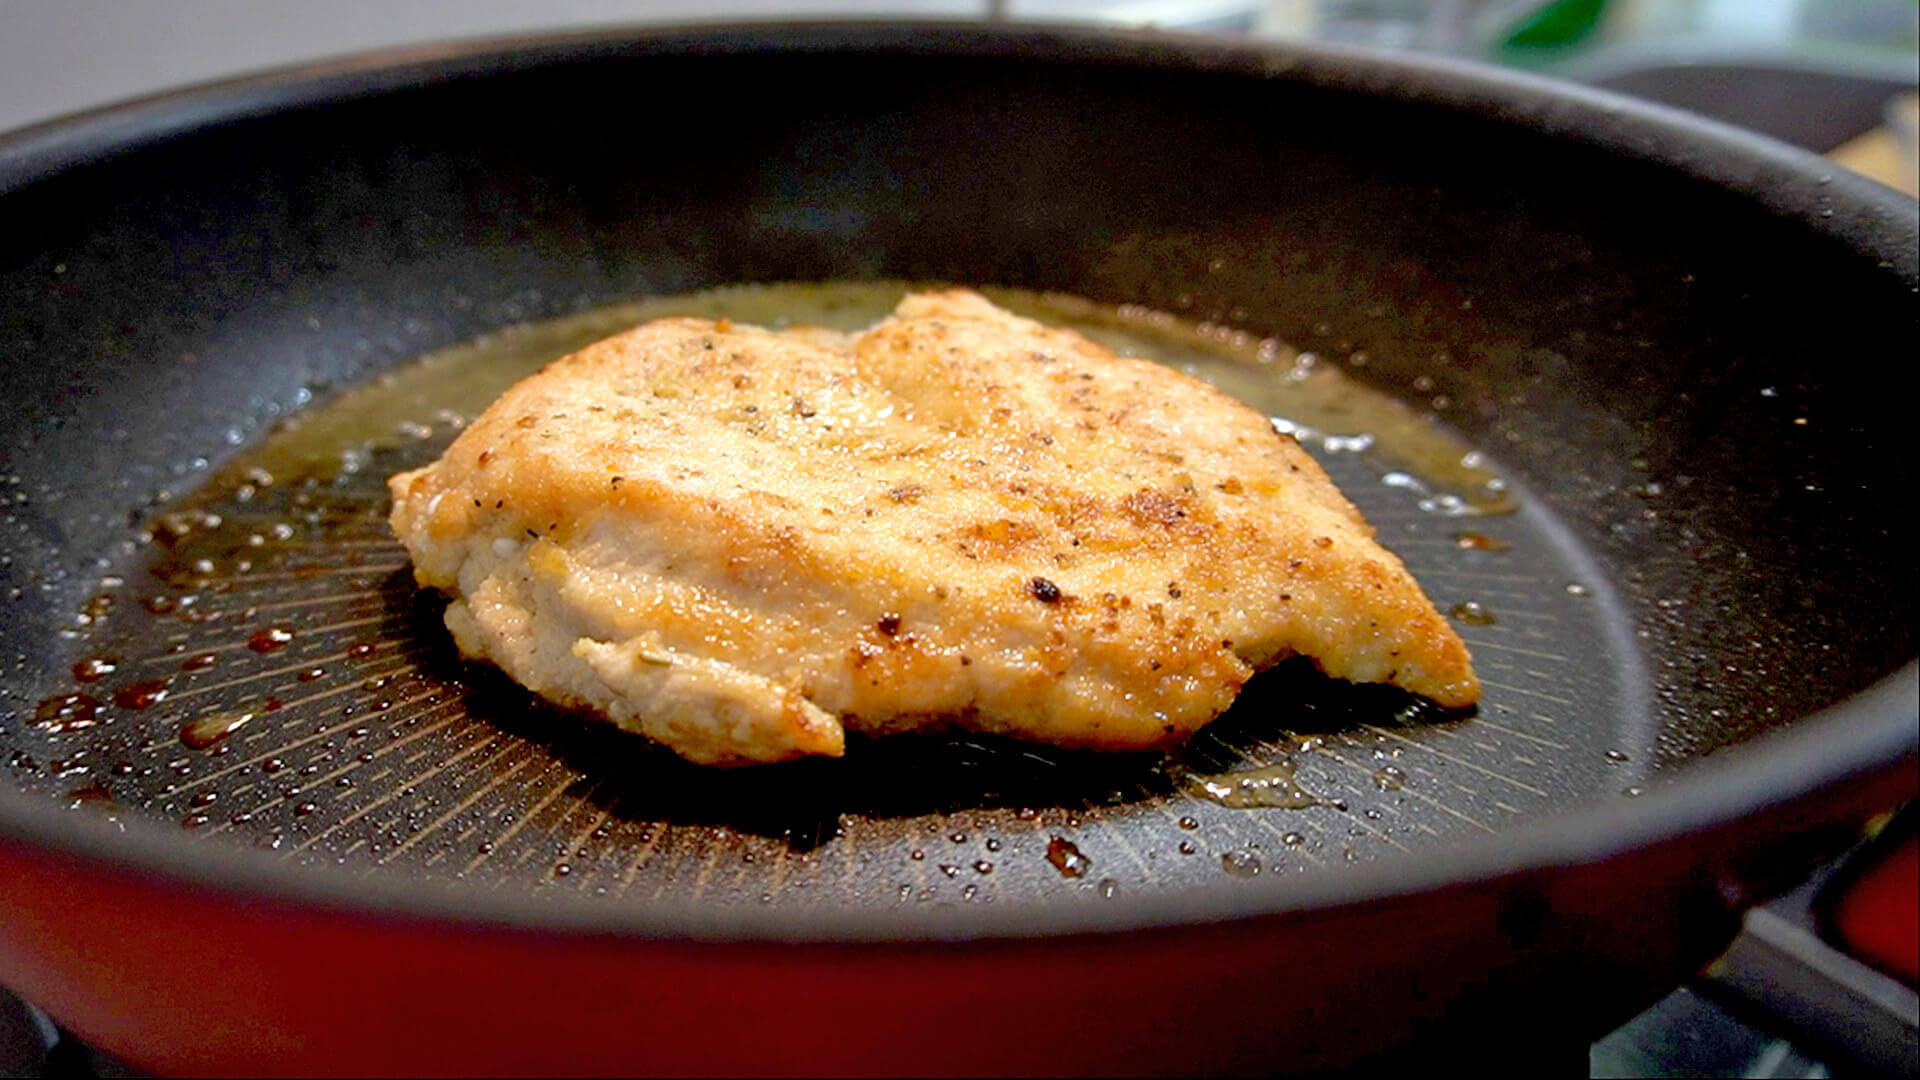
1679 459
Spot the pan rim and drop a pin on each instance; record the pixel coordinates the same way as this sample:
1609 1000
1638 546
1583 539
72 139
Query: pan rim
1870 734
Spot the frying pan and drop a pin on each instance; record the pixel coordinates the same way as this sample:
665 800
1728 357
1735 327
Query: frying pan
1668 338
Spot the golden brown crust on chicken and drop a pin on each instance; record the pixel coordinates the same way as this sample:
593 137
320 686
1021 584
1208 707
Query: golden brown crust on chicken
744 543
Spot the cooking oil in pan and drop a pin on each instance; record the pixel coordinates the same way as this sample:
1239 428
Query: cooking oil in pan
1309 399
271 674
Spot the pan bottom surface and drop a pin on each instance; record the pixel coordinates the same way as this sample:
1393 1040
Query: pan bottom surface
259 667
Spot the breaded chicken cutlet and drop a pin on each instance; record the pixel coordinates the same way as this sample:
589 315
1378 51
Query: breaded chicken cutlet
745 544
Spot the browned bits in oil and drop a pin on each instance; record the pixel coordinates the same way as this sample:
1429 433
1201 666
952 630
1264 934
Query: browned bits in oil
141 695
1470 541
271 639
361 651
1323 541
97 607
1471 613
889 624
311 674
93 668
199 662
65 712
1067 858
95 794
1189 823
201 733
159 604
1044 591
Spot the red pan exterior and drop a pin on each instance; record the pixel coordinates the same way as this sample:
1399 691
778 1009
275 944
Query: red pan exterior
179 980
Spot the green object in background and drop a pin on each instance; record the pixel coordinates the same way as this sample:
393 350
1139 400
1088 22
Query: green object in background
1550 32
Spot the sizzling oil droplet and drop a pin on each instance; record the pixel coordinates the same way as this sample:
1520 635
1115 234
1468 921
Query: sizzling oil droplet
159 604
199 662
1240 864
1067 858
1472 613
1389 778
93 669
1270 786
360 651
95 795
66 712
141 695
271 639
1108 888
1189 823
1470 541
205 731
1617 755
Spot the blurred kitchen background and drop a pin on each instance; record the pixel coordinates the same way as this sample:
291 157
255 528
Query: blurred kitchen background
1819 73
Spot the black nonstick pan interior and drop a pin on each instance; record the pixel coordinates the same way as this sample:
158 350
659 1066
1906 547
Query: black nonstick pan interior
1712 498
298 693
